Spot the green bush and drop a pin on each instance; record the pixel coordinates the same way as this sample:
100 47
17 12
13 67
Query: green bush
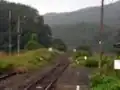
5 66
30 60
91 63
59 45
102 82
105 60
80 61
31 45
81 54
96 79
85 48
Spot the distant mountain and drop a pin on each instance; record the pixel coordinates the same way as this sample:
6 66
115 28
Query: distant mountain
84 34
91 14
82 26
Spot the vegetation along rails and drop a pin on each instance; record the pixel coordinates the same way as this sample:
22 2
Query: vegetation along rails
48 80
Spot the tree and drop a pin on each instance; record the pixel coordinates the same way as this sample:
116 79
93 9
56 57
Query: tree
45 36
59 44
30 22
84 48
33 43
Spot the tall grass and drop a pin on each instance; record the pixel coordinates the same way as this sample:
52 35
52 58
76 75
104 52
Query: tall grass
30 59
108 79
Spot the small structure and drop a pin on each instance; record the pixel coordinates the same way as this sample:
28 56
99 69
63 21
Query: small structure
50 49
116 64
74 50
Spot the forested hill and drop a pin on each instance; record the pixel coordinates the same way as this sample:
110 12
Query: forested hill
31 25
91 14
85 34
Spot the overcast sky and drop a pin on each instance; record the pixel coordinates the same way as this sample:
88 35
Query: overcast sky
46 6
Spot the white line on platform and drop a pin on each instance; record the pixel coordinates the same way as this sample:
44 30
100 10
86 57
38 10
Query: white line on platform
38 87
78 87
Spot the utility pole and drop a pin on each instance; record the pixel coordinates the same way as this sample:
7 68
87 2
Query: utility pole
101 31
10 39
18 36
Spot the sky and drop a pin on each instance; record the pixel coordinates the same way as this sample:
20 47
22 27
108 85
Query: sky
49 6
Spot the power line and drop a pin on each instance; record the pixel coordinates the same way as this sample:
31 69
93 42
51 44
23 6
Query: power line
19 32
18 36
101 31
10 39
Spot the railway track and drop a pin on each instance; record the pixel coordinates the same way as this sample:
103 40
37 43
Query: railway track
34 81
47 81
7 75
4 78
13 82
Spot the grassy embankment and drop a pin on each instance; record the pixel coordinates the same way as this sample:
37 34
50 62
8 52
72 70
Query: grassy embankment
109 79
28 60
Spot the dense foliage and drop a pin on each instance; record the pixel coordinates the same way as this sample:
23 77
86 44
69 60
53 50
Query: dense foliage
30 22
102 82
105 78
33 43
84 48
59 44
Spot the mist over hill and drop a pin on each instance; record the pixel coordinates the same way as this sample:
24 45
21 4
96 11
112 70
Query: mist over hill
82 26
91 14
